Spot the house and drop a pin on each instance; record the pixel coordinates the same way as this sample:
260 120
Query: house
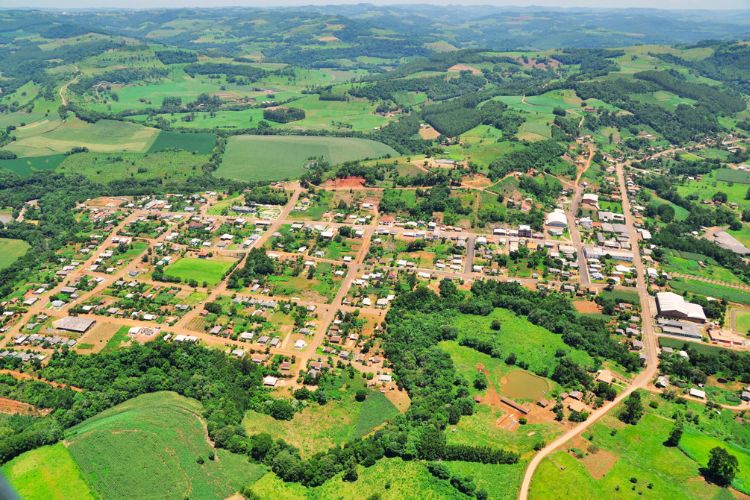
590 201
697 393
270 381
524 231
671 305
662 381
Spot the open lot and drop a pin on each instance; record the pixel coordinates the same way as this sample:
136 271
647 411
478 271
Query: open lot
253 158
210 271
11 250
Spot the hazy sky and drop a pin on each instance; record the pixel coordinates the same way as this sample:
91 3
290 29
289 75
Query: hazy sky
662 4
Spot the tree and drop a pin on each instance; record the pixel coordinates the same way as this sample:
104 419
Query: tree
722 467
281 410
633 410
361 395
720 197
431 444
480 381
674 436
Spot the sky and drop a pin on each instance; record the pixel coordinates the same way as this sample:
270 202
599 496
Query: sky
145 4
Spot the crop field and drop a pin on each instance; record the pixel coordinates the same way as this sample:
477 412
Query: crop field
742 322
210 271
103 136
199 142
27 166
731 175
688 263
532 344
152 443
253 158
319 427
710 290
11 250
48 472
355 114
107 167
613 453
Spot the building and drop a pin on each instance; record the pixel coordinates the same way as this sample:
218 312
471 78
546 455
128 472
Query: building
671 305
74 324
590 201
697 393
556 219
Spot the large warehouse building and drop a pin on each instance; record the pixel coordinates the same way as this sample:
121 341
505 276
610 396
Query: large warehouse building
671 305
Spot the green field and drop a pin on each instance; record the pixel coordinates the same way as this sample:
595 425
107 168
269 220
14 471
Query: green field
27 166
698 446
710 290
199 142
319 427
688 263
743 322
253 158
731 175
614 452
48 472
148 447
532 344
11 250
47 138
209 270
107 167
712 183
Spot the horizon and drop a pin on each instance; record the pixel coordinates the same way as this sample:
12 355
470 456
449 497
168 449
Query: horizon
668 5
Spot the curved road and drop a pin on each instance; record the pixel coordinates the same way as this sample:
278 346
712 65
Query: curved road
650 345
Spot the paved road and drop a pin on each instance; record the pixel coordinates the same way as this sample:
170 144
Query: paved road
650 346
571 213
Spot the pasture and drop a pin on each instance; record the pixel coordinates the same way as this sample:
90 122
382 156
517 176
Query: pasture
698 446
152 443
210 271
44 139
27 166
603 461
199 142
712 183
319 427
688 263
11 250
48 472
356 115
530 343
256 158
107 167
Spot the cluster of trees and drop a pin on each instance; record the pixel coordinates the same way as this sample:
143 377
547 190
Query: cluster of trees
227 387
437 88
251 73
258 265
593 62
284 114
534 156
721 101
456 116
117 76
729 63
266 196
176 56
702 363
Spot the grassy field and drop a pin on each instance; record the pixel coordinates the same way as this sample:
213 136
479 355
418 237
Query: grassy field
48 472
613 453
27 166
711 183
47 138
118 338
106 167
357 114
319 427
253 158
151 444
209 270
743 322
698 446
710 290
11 250
532 344
688 263
199 142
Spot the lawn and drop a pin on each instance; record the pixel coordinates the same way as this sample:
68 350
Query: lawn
210 271
151 444
11 250
199 142
118 338
629 296
48 472
710 290
255 158
102 136
742 324
27 166
531 343
319 427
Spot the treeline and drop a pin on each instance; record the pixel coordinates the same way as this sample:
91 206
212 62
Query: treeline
592 62
437 88
454 117
265 195
534 156
257 266
729 63
176 56
723 102
250 72
117 76
226 387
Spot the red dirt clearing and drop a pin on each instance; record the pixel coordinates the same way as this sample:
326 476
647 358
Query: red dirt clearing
13 407
587 307
463 67
27 376
346 182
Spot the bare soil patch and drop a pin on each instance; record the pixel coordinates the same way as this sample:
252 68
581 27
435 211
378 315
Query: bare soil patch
456 68
428 133
13 407
587 307
599 463
107 201
477 181
329 38
99 335
346 182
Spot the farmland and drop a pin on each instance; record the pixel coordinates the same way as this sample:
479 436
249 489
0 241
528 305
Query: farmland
27 166
254 158
106 167
201 143
11 250
209 271
710 290
164 431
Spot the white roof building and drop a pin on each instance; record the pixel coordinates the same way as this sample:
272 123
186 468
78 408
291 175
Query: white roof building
671 305
556 218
